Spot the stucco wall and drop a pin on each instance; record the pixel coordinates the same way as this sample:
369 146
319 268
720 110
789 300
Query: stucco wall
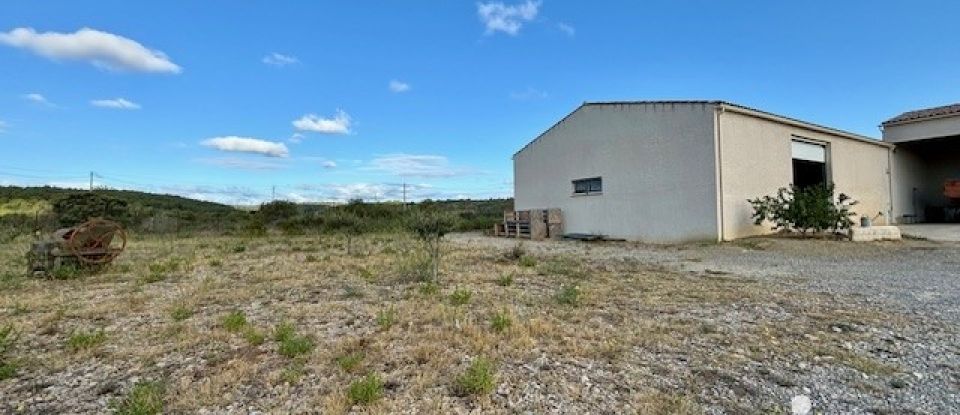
756 160
919 130
657 162
908 169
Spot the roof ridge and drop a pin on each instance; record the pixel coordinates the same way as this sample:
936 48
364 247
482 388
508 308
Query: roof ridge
925 113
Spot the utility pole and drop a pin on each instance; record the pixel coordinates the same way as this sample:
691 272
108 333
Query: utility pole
273 194
404 184
91 180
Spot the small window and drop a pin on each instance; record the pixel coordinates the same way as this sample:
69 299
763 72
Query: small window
809 164
592 186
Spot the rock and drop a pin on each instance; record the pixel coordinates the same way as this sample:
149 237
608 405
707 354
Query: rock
800 405
898 383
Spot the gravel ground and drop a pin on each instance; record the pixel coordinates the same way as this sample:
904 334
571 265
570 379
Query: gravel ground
915 277
912 279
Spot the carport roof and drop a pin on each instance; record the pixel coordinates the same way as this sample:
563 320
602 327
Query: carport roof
917 115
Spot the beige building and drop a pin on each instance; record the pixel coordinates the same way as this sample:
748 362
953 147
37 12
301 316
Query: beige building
674 171
926 159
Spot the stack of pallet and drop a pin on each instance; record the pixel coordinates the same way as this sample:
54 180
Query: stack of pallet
537 224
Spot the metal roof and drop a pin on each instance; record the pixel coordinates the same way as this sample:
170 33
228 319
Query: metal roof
922 114
726 105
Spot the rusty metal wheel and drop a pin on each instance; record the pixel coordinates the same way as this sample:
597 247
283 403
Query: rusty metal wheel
97 241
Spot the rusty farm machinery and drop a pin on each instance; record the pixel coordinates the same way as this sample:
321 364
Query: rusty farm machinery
91 244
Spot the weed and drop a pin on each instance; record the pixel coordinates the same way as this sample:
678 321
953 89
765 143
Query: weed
239 249
66 272
527 261
19 309
562 268
7 336
366 390
295 346
505 280
351 291
145 398
165 267
216 263
500 321
386 318
349 362
460 296
82 341
659 403
235 321
7 370
283 332
310 258
568 295
477 380
10 281
429 288
180 313
292 373
518 251
253 336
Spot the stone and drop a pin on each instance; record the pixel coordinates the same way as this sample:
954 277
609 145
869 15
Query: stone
800 405
875 233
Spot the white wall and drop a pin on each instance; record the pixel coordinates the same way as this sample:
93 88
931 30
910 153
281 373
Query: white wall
919 130
756 160
658 167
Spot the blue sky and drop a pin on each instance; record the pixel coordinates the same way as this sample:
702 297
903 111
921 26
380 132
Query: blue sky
326 101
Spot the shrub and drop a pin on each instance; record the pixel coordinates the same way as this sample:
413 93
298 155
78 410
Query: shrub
366 390
477 380
430 227
145 398
429 288
239 249
77 208
505 280
804 210
349 362
283 331
527 261
415 265
460 296
82 341
7 370
180 313
568 295
386 318
66 272
253 336
7 337
294 346
518 251
235 321
500 321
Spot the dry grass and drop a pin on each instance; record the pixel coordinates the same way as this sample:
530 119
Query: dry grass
168 310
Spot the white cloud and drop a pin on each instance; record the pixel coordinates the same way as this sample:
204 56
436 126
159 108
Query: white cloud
328 164
398 87
105 50
565 28
116 103
413 165
296 138
277 59
248 145
338 124
497 16
528 94
38 99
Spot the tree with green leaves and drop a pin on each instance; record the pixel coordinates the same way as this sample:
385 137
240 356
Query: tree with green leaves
346 223
77 208
805 209
430 227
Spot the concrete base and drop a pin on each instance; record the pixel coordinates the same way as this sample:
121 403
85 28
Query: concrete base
941 232
875 233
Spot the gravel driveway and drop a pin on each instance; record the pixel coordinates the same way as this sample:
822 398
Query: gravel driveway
915 277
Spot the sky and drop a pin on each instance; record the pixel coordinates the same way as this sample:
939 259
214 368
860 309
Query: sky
243 102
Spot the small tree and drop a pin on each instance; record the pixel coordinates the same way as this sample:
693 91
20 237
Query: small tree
430 227
803 210
346 223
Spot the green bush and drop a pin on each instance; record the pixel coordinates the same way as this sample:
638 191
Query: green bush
500 321
366 390
349 362
283 331
294 346
180 313
253 336
77 208
235 321
146 398
505 280
83 340
805 210
460 296
386 318
568 295
479 378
